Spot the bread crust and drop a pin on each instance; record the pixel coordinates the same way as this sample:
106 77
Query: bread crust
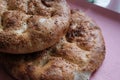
81 50
28 26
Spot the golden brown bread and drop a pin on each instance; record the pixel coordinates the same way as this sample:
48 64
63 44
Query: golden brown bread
79 53
28 26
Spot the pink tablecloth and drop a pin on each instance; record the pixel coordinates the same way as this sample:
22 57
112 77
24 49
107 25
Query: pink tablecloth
110 25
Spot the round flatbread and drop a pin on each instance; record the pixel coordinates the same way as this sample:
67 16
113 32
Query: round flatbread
75 57
28 26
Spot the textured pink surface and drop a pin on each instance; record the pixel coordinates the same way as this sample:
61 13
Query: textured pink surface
110 25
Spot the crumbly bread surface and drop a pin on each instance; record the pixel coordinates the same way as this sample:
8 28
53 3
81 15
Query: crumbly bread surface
28 26
81 50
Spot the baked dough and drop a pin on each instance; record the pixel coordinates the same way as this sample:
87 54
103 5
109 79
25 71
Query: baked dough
28 26
75 57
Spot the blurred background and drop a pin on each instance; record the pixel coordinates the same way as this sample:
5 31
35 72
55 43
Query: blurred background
113 5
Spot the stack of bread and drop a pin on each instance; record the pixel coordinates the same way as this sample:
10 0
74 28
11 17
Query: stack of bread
46 40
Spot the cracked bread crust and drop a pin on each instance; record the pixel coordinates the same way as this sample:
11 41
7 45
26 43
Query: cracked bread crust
28 26
82 49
